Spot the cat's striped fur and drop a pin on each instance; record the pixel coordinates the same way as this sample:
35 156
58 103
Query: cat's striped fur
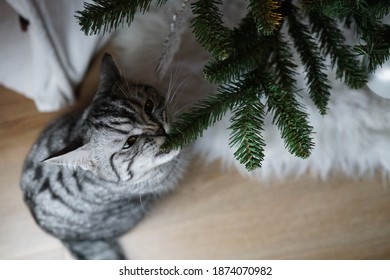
91 176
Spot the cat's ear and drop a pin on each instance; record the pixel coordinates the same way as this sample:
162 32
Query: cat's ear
74 155
109 73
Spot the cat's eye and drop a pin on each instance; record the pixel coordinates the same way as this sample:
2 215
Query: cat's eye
149 106
130 142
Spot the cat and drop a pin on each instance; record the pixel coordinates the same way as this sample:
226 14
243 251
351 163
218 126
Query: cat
92 175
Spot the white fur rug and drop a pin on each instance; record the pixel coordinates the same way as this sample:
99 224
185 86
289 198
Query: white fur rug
352 138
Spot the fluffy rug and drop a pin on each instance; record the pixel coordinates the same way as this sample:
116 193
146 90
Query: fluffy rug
352 138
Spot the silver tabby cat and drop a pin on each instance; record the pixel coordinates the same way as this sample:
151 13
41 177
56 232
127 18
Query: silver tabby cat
91 176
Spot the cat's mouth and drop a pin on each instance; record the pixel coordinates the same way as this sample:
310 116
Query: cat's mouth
163 152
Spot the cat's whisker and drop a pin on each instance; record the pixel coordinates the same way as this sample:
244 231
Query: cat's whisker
123 198
127 89
124 85
172 82
155 197
130 89
169 90
120 86
177 87
142 205
182 84
181 109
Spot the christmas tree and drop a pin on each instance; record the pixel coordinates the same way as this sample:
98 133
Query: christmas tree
253 64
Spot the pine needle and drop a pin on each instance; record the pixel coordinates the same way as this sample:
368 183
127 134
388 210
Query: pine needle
265 14
247 125
334 45
311 59
289 117
106 15
208 28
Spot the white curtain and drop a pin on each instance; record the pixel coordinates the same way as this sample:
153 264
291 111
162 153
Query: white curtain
45 55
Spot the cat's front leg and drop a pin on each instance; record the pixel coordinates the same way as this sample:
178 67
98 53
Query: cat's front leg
109 249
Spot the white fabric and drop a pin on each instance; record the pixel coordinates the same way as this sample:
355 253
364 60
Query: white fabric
49 60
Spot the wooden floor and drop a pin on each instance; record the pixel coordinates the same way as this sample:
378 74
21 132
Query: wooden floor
213 214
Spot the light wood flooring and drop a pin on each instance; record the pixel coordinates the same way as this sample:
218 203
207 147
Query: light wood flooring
214 214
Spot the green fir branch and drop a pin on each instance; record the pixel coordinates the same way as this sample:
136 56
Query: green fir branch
375 34
378 8
369 14
265 14
289 117
107 15
364 13
332 8
312 60
377 48
203 114
208 28
366 16
244 57
236 65
332 43
282 64
247 125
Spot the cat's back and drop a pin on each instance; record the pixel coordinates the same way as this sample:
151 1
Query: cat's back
50 190
56 135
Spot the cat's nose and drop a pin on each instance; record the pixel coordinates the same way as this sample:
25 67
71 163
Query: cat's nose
161 131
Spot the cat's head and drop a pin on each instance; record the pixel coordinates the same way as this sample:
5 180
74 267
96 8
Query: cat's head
122 132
